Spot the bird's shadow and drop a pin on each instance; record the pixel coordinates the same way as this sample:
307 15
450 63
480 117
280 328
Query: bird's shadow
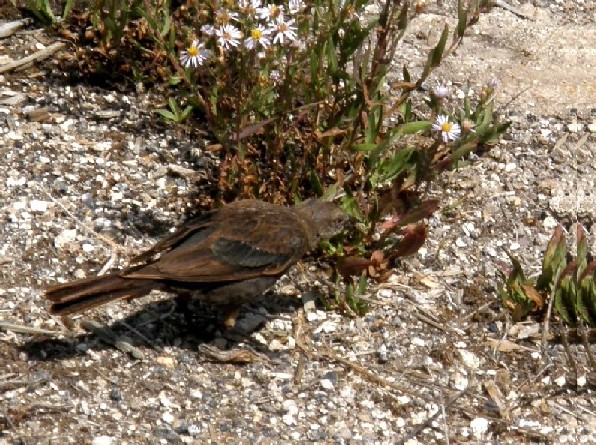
164 323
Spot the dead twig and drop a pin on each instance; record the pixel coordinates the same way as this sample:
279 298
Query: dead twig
8 29
432 418
115 246
108 336
21 329
35 57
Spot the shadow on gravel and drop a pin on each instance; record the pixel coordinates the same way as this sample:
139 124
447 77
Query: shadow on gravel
169 322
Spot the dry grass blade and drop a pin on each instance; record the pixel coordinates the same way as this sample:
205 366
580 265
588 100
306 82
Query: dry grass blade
236 356
428 421
108 336
21 329
9 28
35 57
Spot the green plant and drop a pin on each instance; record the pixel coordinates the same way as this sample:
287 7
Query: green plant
42 10
570 281
174 114
296 96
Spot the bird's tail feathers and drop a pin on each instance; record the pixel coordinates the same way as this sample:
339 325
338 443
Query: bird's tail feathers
88 293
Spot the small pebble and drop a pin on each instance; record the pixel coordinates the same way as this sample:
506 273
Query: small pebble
103 440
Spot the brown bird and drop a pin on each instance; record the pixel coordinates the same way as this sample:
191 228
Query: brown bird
229 255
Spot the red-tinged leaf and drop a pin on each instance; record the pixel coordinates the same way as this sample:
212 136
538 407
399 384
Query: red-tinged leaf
554 257
388 224
398 183
331 133
352 266
533 295
404 201
423 210
503 268
582 249
250 130
377 257
568 272
516 275
413 239
589 270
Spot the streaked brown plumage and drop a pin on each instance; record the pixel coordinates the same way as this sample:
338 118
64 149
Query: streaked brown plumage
230 255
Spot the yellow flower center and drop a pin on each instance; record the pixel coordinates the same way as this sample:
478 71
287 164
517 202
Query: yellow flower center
446 127
193 51
256 34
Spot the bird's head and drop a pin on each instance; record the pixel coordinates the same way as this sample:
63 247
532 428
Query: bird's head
326 218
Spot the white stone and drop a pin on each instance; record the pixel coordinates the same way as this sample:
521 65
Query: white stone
416 341
11 182
288 419
327 384
470 359
549 222
102 440
479 427
276 345
327 327
460 381
167 417
65 237
38 206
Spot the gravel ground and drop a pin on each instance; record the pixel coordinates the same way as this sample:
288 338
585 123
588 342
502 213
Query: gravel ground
90 177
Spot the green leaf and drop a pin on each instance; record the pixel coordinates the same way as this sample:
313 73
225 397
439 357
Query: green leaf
362 285
587 296
585 302
434 57
567 300
331 56
173 105
414 127
463 150
388 169
330 193
67 8
462 18
166 26
351 207
560 307
315 182
582 250
406 74
402 22
407 128
437 53
364 147
354 37
554 258
166 114
467 107
184 115
174 80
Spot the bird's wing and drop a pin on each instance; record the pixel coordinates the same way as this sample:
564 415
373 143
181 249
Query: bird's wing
197 228
236 244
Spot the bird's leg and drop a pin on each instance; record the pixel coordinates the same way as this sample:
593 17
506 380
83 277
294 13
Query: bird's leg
231 312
